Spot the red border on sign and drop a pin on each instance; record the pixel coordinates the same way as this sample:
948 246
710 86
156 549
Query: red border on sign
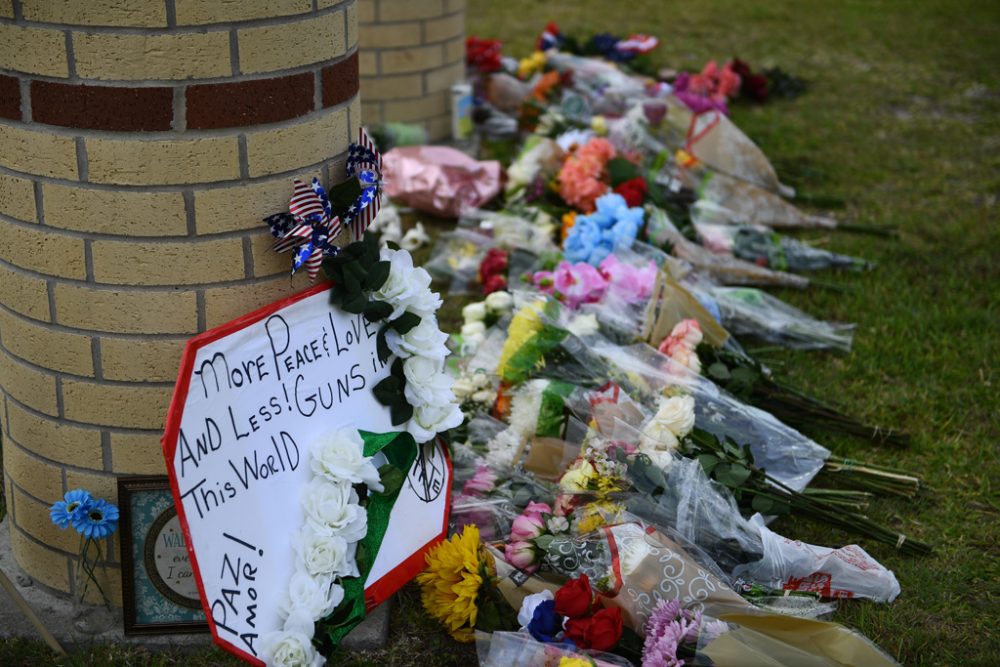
375 594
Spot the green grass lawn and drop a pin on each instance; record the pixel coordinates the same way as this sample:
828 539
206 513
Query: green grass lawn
902 123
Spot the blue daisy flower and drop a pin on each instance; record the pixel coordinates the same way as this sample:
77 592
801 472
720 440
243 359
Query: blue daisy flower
99 521
71 506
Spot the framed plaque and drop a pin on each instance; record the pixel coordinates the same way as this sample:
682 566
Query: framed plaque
159 589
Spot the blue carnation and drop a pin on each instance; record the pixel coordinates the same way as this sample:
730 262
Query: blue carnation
611 227
545 623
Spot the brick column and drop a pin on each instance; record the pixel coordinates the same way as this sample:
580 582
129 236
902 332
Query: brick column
412 51
141 143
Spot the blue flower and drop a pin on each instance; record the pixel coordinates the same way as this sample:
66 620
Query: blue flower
75 503
545 623
611 227
99 520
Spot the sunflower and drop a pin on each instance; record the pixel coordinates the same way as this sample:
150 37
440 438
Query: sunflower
449 588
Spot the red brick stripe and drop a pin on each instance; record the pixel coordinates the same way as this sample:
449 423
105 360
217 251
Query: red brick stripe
241 103
101 107
340 81
10 97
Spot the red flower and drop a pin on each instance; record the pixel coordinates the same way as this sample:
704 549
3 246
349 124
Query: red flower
600 632
495 262
633 190
574 598
483 54
494 283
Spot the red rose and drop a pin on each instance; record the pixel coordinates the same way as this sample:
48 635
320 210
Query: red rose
494 263
633 190
494 283
574 598
605 629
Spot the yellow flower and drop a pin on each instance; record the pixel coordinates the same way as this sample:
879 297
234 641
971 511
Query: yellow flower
533 63
525 324
599 125
567 661
450 585
577 479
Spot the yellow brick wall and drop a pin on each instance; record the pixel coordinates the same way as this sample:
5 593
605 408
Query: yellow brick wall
412 51
117 245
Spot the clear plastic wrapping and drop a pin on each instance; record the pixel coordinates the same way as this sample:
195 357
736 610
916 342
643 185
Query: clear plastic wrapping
751 204
751 312
726 270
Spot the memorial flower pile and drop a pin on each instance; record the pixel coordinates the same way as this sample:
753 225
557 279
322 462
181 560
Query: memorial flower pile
622 452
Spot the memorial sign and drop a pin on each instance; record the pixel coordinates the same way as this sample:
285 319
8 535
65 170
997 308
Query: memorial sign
253 399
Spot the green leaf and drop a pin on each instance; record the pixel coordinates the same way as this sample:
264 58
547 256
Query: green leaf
400 412
766 505
655 475
377 310
718 371
381 346
377 275
405 322
388 390
356 304
621 170
708 462
543 542
392 479
732 474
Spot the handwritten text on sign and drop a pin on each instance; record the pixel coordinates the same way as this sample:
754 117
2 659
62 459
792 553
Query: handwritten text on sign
257 399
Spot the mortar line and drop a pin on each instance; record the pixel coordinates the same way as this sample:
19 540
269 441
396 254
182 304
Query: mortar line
95 356
88 260
70 56
248 267
60 404
25 87
82 165
106 452
18 10
189 208
234 51
200 306
244 156
171 14
39 204
179 122
50 289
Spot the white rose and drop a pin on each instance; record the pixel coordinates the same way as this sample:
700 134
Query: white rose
677 414
339 456
426 383
657 436
473 329
499 301
557 524
292 646
684 358
662 459
475 312
429 420
333 506
529 604
323 554
422 301
318 596
399 286
423 340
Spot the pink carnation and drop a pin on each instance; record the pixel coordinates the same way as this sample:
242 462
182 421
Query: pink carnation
582 174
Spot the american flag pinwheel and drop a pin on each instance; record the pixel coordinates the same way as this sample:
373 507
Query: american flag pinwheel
364 162
309 227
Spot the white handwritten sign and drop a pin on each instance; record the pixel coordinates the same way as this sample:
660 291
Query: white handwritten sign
251 398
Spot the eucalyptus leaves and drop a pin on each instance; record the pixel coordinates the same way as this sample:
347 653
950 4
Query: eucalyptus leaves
386 287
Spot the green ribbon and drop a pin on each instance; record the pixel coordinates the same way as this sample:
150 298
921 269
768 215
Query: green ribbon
401 451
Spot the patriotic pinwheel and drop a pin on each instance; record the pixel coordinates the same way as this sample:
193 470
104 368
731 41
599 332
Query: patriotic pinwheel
364 162
309 227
